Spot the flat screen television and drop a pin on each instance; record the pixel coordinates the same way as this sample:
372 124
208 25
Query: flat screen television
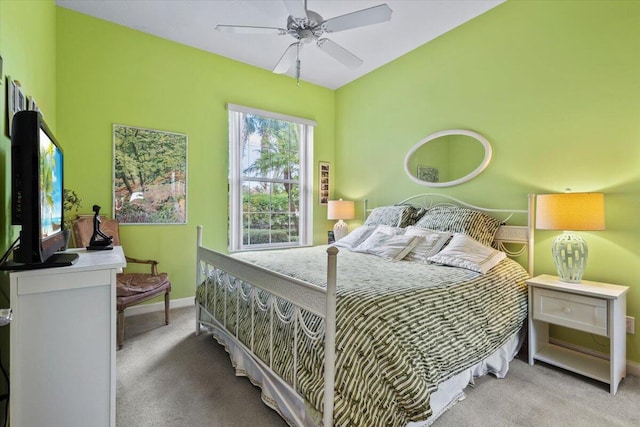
37 194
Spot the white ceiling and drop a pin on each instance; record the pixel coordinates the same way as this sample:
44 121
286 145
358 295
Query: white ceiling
192 22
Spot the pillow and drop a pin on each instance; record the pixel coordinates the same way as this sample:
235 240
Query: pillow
396 216
357 236
393 248
420 211
473 223
431 243
374 238
389 230
463 251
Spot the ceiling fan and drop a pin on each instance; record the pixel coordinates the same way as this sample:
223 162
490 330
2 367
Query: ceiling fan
307 26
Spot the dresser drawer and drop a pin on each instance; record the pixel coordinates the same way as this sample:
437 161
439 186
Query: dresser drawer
574 311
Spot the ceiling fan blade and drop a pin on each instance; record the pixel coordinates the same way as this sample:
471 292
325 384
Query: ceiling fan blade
288 58
296 9
341 54
360 18
241 29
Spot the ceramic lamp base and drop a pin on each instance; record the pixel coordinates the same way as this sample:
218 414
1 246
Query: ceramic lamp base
340 230
570 254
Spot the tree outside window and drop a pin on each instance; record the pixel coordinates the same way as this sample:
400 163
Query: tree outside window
267 178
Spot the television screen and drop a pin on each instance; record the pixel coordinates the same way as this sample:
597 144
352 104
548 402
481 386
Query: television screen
37 195
50 187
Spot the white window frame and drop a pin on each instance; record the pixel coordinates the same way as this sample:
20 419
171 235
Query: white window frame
235 178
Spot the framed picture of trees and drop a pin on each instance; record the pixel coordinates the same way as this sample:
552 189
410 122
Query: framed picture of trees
149 176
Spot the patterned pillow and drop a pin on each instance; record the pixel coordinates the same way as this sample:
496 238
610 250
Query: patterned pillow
473 223
395 216
465 252
431 243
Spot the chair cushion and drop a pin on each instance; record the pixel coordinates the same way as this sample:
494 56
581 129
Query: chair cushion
130 284
124 302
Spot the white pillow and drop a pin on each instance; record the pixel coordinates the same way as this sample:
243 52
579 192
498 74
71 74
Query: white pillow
390 230
432 242
465 252
380 233
357 236
391 247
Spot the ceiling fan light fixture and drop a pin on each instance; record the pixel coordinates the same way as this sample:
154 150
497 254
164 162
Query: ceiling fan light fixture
306 36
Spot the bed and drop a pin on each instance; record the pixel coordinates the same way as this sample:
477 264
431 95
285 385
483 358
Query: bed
416 309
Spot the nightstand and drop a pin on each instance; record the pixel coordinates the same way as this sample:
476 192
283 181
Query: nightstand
593 307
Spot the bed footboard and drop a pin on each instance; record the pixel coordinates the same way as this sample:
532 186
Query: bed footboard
265 312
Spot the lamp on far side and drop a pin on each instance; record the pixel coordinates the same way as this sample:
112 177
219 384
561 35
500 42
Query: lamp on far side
575 212
340 209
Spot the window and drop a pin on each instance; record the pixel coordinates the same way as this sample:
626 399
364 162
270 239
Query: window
270 179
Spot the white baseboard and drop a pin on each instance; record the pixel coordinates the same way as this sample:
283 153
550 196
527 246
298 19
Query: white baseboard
158 306
633 368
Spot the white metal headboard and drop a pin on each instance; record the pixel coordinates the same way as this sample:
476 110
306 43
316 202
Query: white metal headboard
520 236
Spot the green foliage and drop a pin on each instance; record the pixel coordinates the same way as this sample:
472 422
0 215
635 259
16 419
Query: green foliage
132 213
48 158
261 237
270 209
278 155
71 204
267 219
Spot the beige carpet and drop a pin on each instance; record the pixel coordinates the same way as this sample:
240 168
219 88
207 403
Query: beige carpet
168 377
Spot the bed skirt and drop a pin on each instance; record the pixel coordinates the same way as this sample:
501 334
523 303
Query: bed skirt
296 412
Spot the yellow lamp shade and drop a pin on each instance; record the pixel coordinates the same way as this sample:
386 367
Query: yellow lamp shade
341 209
570 211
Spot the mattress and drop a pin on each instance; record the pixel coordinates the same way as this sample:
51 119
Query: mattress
403 328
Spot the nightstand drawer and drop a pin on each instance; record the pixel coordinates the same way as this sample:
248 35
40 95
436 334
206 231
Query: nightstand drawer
574 311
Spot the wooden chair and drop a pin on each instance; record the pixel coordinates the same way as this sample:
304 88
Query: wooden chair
132 288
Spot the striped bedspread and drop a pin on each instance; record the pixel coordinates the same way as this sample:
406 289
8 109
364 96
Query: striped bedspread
402 328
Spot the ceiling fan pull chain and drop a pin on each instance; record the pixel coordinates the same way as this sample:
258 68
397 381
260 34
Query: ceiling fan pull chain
298 65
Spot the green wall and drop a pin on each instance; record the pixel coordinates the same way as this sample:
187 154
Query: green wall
554 87
28 50
111 74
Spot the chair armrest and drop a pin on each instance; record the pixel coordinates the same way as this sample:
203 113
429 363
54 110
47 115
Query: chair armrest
153 263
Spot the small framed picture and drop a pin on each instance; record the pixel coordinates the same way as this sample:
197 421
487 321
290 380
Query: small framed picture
16 101
11 97
324 182
21 100
33 106
331 238
428 174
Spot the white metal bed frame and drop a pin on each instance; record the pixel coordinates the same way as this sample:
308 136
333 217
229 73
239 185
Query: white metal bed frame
319 301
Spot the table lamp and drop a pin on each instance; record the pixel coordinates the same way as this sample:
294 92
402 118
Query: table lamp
575 212
340 209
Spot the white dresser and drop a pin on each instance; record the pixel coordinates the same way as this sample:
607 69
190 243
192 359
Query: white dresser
63 340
